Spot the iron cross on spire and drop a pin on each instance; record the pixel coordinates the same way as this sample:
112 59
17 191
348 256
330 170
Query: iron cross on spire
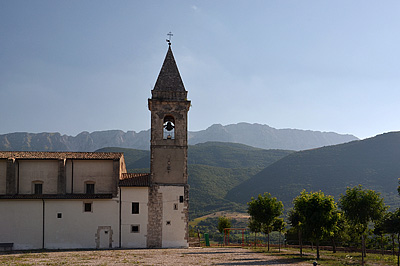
169 38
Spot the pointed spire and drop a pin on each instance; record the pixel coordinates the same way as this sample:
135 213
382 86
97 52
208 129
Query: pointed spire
169 84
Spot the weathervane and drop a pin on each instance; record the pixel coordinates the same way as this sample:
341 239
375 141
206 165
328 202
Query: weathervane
169 38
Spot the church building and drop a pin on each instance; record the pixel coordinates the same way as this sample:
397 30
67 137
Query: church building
85 200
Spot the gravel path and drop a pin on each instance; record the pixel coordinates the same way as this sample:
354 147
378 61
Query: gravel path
167 257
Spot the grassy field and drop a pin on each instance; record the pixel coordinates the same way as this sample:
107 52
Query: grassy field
329 258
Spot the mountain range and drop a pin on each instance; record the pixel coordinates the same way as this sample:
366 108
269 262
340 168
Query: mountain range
256 135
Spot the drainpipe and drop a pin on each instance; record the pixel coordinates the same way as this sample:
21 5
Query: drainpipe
120 218
72 176
43 226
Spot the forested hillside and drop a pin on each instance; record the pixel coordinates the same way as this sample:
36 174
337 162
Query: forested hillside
373 162
214 168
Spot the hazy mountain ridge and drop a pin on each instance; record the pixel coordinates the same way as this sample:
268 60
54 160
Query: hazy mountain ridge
255 135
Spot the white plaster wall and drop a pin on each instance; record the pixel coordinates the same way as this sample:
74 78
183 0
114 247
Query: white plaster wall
76 228
173 235
99 171
21 223
129 195
3 178
38 170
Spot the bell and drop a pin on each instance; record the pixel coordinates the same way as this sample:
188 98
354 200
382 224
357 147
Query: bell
169 126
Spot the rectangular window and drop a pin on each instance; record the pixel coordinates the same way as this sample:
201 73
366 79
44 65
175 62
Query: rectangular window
135 207
175 206
89 188
38 189
59 215
87 207
181 199
135 228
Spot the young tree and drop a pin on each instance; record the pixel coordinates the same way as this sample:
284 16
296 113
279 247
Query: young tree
361 206
254 227
223 222
318 215
279 225
264 210
295 222
391 225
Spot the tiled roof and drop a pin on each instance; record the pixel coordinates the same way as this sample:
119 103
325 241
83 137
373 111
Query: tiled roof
135 180
169 79
59 155
57 196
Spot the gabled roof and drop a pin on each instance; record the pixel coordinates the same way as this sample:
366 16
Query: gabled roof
59 155
135 180
169 78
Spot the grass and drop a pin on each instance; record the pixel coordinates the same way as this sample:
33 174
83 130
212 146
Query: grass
328 258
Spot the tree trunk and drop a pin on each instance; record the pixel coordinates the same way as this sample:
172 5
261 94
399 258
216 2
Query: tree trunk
362 249
279 241
300 243
392 244
268 240
317 242
255 239
333 245
398 251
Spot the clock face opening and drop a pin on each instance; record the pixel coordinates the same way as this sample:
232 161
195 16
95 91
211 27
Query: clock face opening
169 127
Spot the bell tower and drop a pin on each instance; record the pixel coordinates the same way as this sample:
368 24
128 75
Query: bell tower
168 205
169 107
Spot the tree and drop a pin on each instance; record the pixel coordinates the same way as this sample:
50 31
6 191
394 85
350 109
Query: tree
361 206
264 210
223 223
391 225
295 222
318 215
279 225
254 227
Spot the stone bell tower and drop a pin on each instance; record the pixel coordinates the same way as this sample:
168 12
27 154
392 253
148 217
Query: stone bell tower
168 194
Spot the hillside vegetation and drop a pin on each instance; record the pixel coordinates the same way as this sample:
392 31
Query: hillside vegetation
214 168
373 162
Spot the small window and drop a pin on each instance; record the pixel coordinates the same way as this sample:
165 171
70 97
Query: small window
181 199
175 206
135 228
38 188
168 222
89 188
59 215
135 207
88 207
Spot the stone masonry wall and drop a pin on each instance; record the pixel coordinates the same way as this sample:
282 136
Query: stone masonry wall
155 210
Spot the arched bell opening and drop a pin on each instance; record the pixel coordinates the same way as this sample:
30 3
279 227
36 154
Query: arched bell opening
169 127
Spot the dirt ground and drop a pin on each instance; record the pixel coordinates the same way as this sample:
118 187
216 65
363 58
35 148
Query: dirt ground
167 257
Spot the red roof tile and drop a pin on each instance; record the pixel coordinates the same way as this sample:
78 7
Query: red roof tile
135 180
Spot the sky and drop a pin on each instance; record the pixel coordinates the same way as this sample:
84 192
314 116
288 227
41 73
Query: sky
73 66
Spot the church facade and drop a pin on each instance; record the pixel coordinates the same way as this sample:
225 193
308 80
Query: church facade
75 200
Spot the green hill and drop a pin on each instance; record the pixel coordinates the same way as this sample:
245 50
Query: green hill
214 168
373 162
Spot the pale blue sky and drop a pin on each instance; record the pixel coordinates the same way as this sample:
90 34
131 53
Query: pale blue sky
72 66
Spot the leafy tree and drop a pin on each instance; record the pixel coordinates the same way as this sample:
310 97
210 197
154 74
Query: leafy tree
295 222
318 215
223 223
361 206
264 210
391 225
279 225
254 227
